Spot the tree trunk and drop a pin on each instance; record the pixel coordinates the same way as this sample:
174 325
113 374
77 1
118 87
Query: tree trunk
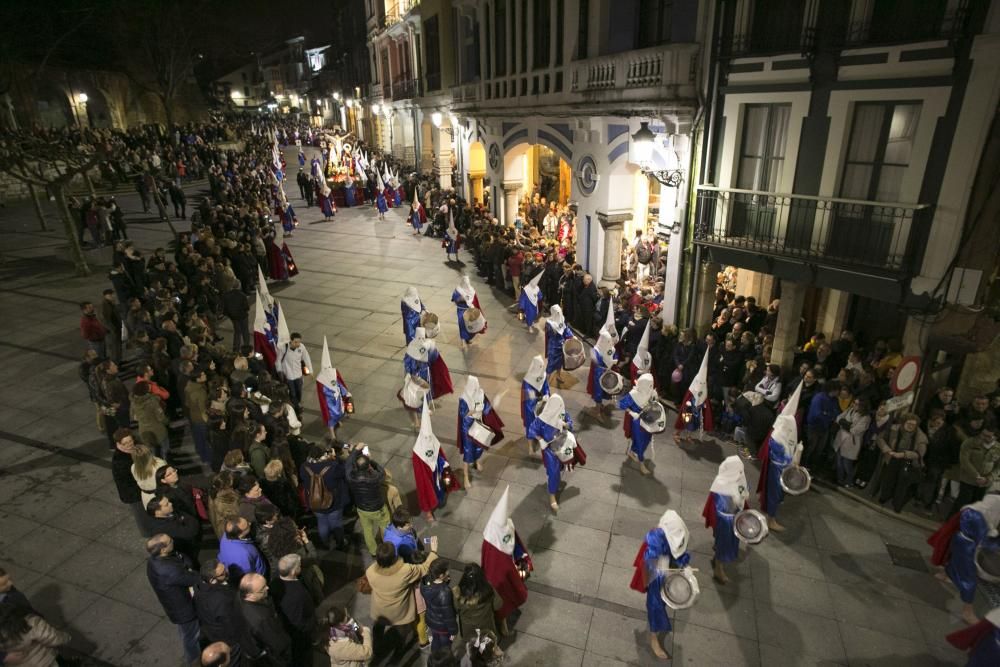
37 201
69 226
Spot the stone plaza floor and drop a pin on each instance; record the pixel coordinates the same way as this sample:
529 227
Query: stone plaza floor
824 592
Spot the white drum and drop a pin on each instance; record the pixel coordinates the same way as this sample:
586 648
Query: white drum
563 446
481 434
475 321
414 390
653 417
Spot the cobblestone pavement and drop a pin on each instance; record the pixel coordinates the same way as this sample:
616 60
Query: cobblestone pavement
824 592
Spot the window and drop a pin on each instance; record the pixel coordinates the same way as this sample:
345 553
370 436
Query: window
432 42
559 31
899 21
762 152
500 36
524 36
879 150
654 28
583 34
542 24
777 26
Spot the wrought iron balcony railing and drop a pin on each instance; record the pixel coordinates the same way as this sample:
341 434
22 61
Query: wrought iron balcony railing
405 89
876 236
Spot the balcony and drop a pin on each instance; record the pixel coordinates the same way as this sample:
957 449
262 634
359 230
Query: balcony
404 89
396 11
875 237
657 73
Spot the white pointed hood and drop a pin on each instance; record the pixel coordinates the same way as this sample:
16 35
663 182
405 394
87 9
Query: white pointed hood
785 431
556 319
531 290
676 530
474 396
259 318
642 360
412 298
262 288
731 481
699 385
284 335
644 390
452 231
499 529
989 507
420 347
554 412
427 447
536 372
609 322
327 375
643 345
605 347
466 290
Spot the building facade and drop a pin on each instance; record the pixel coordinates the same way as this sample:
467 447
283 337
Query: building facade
843 139
508 98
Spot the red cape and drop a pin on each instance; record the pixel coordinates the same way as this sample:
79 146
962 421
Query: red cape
323 409
638 582
707 423
764 454
491 419
475 302
634 375
627 425
424 478
709 511
941 540
503 576
440 378
967 638
263 345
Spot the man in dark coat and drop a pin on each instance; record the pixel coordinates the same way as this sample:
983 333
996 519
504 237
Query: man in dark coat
184 530
171 576
588 305
217 606
296 608
121 472
236 307
272 645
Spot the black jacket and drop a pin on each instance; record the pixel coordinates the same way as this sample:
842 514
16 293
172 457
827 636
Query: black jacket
296 608
731 367
234 304
171 576
366 487
121 472
217 607
184 529
440 606
267 634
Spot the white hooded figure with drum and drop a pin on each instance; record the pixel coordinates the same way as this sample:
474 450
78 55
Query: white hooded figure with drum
425 373
557 332
479 426
662 557
644 416
432 474
560 450
726 499
471 319
780 452
412 308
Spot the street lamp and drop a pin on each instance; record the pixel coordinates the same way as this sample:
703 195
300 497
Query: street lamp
82 97
642 151
350 103
437 118
375 108
336 96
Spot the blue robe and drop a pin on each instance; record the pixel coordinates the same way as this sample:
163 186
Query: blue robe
380 202
553 347
539 430
471 452
461 306
640 437
727 545
415 220
421 368
396 198
529 399
334 412
597 369
411 320
326 205
961 567
451 248
349 196
302 160
529 309
778 459
656 609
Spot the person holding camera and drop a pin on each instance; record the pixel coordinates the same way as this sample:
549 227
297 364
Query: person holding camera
325 481
365 477
350 644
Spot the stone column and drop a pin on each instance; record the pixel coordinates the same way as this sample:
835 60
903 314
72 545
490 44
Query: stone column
704 299
444 141
833 312
613 226
786 334
510 192
426 147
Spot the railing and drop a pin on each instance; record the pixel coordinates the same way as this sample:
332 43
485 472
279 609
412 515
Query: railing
405 89
879 236
396 10
644 68
894 21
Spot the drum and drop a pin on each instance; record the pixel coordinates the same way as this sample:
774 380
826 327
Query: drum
612 383
795 480
643 361
680 589
481 434
414 390
750 526
988 565
654 417
573 354
563 446
474 320
429 321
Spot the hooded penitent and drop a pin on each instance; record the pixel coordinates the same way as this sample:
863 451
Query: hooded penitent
778 452
502 550
429 463
265 336
330 389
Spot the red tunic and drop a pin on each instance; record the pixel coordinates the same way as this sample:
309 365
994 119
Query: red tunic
440 378
262 345
503 576
707 422
424 478
941 540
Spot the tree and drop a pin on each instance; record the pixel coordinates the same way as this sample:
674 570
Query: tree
39 161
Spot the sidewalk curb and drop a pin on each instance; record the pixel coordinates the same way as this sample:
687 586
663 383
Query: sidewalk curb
913 520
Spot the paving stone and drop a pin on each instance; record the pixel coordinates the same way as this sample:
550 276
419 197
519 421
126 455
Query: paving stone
877 612
865 646
556 620
44 548
529 649
111 629
722 610
620 638
780 588
97 567
695 645
798 632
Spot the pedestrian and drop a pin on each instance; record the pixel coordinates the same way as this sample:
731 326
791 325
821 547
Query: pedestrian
147 411
851 428
903 449
111 318
27 639
171 578
9 594
392 581
179 201
144 465
727 497
412 308
365 478
664 549
238 552
121 472
636 431
431 471
183 529
476 603
216 604
465 299
271 644
557 332
295 607
505 561
530 302
534 388
350 644
423 364
442 621
602 358
236 307
553 429
331 390
475 409
293 364
781 450
821 416
196 405
91 329
324 480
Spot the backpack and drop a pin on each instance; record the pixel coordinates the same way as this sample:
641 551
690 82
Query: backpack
643 254
320 497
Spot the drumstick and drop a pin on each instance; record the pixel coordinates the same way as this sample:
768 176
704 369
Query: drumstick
499 397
